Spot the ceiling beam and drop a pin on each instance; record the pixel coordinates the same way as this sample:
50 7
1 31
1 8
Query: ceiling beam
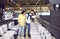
29 5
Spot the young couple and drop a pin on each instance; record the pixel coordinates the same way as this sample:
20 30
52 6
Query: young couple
24 21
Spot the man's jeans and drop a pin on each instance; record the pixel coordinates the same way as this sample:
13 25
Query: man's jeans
27 26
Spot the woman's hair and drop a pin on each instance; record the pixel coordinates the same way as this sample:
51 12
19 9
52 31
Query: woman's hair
23 11
32 10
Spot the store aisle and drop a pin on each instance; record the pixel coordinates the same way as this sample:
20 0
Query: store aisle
34 31
39 32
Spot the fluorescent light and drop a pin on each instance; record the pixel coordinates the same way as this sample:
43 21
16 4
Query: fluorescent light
45 13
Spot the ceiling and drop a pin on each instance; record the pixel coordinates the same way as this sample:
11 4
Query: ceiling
16 4
27 2
30 2
24 3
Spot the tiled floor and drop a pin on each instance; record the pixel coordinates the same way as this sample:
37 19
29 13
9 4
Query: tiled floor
35 33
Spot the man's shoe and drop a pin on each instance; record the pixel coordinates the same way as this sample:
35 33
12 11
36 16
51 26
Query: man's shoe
29 35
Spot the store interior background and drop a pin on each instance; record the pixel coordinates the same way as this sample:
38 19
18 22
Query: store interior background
48 17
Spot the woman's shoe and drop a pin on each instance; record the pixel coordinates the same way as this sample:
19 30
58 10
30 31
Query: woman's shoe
18 37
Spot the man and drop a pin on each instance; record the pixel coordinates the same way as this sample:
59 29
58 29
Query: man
28 25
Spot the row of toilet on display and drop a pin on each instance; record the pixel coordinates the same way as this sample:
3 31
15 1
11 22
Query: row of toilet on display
8 31
44 33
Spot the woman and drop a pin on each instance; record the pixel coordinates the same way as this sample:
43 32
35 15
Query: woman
22 23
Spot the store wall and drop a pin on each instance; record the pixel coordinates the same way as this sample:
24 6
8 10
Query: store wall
2 3
54 1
